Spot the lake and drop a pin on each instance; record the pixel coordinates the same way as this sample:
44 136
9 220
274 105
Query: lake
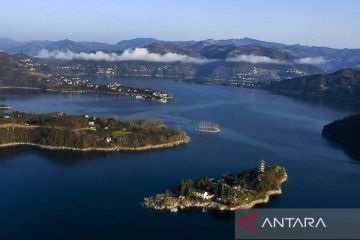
72 195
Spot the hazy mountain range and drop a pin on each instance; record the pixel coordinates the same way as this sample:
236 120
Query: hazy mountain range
328 59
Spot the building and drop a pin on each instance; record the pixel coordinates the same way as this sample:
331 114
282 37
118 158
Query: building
108 139
203 194
261 167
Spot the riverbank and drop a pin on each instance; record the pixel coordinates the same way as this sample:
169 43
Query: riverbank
111 89
235 197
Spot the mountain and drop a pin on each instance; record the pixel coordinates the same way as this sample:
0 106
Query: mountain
163 48
243 65
336 58
6 44
329 59
230 51
97 46
346 132
32 48
22 71
141 42
343 84
134 43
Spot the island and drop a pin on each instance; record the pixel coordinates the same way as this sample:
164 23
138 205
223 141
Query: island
346 132
4 107
229 192
86 133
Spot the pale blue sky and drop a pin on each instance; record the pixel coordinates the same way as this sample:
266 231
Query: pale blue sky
333 23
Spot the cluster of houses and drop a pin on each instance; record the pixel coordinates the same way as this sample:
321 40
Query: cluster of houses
107 71
147 94
75 81
28 64
91 122
92 126
294 73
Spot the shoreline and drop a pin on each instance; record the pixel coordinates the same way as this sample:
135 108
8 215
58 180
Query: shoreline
97 149
215 205
86 91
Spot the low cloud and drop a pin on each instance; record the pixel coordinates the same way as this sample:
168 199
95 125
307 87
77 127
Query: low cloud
311 60
254 59
137 54
142 54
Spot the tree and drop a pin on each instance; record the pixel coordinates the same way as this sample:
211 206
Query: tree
203 183
186 187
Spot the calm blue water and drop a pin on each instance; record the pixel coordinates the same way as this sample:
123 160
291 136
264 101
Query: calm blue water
66 195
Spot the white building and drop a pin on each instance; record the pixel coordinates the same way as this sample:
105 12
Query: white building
261 167
203 194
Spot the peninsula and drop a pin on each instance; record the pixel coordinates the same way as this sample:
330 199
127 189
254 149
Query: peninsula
23 72
86 133
345 132
230 192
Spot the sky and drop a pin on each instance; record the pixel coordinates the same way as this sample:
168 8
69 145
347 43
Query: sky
332 23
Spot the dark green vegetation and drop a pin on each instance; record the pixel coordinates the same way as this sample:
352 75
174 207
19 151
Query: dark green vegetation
250 184
345 132
341 85
57 130
229 192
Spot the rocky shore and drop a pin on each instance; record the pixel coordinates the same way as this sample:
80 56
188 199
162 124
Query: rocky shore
95 149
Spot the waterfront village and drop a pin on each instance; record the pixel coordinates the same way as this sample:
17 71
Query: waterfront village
59 81
229 192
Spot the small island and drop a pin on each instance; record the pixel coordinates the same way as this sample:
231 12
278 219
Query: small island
345 132
86 133
230 192
4 107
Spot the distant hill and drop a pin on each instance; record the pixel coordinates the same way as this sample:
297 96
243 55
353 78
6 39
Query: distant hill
134 43
97 45
163 48
343 84
345 132
6 44
22 71
32 48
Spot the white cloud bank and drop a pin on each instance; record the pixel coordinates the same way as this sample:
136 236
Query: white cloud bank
254 59
311 60
137 54
142 54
